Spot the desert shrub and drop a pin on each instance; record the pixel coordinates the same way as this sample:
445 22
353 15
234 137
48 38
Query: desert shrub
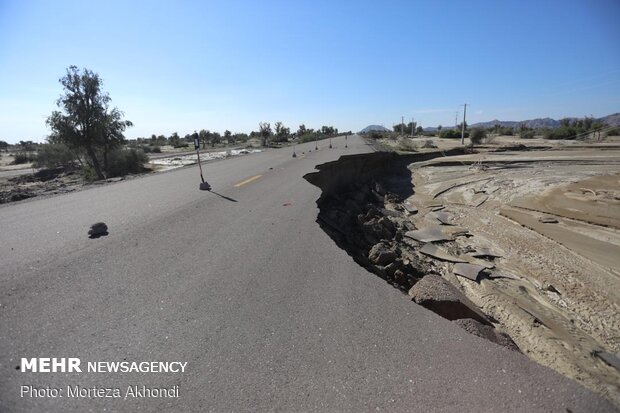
477 135
562 132
308 137
181 145
23 157
88 173
506 131
451 134
490 138
148 148
405 144
613 132
527 134
279 138
378 135
53 155
126 161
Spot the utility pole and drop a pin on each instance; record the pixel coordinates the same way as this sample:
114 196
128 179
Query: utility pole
402 125
463 126
412 127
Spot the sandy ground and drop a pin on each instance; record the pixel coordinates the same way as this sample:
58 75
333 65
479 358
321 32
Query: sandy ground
561 304
177 161
18 182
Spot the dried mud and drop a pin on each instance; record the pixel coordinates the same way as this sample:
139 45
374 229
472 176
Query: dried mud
543 229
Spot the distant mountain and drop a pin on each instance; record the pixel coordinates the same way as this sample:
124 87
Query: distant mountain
531 123
612 120
374 128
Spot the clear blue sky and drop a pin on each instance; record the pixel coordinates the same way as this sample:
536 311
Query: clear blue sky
183 66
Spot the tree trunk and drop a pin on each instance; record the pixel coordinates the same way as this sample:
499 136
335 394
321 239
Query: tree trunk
95 161
105 161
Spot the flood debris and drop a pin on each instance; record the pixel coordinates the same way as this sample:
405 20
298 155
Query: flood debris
411 209
439 253
471 271
553 288
487 332
438 295
502 274
429 234
610 359
485 253
370 218
488 250
443 218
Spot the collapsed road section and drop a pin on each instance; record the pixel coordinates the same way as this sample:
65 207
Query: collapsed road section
459 246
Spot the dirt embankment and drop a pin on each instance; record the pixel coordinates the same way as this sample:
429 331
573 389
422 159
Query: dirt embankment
455 248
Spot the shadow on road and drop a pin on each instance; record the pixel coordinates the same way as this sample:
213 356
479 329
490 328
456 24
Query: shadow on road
225 197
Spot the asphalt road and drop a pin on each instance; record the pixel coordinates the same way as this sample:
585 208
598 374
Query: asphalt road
244 286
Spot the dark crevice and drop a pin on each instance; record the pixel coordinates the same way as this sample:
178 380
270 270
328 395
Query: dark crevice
361 209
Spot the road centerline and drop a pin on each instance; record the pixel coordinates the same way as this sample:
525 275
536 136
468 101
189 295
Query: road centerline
247 181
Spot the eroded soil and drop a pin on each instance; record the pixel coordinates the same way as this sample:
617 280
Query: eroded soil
555 225
534 236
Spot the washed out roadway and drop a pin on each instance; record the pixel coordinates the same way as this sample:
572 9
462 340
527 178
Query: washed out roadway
244 286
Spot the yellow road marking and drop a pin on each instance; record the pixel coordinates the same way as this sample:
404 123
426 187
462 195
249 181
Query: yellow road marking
247 181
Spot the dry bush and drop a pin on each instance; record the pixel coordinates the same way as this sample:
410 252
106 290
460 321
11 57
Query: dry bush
405 144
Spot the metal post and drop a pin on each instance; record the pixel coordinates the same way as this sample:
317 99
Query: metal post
463 126
203 185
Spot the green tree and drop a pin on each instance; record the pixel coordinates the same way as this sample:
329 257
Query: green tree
215 138
240 137
451 134
86 122
4 145
203 135
281 132
401 128
174 140
264 132
328 130
302 130
27 146
111 131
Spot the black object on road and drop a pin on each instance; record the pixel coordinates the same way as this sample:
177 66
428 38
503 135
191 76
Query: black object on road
97 230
